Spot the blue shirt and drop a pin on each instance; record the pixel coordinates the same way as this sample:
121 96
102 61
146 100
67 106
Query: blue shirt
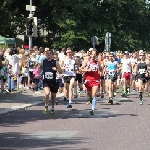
41 59
118 60
112 66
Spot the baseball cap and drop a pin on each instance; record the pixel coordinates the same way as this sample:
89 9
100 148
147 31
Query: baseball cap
90 49
77 54
141 51
126 52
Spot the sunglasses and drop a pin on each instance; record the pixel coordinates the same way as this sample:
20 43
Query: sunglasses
142 55
68 52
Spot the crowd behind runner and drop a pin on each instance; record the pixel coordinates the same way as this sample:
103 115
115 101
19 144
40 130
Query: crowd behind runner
74 73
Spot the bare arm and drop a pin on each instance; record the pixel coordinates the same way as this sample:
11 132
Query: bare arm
58 67
62 64
100 67
82 68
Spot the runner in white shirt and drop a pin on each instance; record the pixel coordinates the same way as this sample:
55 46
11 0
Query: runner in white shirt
126 72
69 65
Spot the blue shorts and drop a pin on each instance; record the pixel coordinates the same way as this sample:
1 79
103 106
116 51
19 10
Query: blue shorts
60 83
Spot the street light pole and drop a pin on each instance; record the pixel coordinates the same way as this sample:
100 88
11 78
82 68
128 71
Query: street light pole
30 15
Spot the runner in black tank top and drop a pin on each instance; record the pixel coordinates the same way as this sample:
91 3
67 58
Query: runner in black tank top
50 67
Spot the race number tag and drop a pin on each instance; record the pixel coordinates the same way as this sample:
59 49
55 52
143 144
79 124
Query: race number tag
111 73
48 75
141 71
94 67
70 68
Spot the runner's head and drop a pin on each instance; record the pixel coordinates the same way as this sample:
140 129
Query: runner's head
100 56
111 56
55 56
49 54
93 54
142 55
69 52
126 54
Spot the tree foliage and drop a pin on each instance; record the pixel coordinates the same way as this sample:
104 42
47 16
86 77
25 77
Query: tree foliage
73 23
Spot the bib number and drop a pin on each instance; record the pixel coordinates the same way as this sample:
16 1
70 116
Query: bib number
112 73
142 71
70 68
48 75
94 67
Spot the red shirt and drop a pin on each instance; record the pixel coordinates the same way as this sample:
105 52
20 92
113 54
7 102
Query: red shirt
94 74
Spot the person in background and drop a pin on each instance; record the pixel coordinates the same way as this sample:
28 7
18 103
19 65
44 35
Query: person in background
36 73
13 61
24 71
5 78
32 62
42 55
61 55
40 61
6 54
58 76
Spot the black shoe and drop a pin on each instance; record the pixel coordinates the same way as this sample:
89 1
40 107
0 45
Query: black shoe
56 103
102 96
124 95
92 112
65 99
69 105
110 101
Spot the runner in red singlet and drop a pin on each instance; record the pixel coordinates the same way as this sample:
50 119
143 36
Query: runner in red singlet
92 69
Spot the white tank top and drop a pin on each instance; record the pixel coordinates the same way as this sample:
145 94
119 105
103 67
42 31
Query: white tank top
70 64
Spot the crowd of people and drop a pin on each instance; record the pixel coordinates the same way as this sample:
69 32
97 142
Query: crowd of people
75 72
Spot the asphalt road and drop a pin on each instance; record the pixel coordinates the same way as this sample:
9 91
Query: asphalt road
122 126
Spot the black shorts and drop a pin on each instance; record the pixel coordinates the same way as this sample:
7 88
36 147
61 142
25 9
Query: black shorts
35 80
102 77
52 85
143 78
68 78
31 75
78 78
4 80
112 78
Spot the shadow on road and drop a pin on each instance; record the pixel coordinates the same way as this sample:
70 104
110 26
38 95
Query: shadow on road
17 141
20 97
35 113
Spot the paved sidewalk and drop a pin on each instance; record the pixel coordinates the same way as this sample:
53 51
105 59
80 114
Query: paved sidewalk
20 100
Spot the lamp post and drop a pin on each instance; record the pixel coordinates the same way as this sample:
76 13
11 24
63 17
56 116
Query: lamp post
30 36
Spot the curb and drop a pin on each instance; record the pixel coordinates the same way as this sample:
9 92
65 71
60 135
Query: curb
23 106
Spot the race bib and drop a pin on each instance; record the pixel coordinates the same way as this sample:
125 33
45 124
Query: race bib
142 71
70 68
48 75
112 73
94 67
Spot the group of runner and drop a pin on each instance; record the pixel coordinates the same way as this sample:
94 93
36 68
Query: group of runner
94 73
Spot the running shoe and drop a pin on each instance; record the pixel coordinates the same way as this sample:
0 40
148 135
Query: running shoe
114 93
56 103
69 105
52 113
110 100
92 112
148 93
45 110
65 99
141 102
